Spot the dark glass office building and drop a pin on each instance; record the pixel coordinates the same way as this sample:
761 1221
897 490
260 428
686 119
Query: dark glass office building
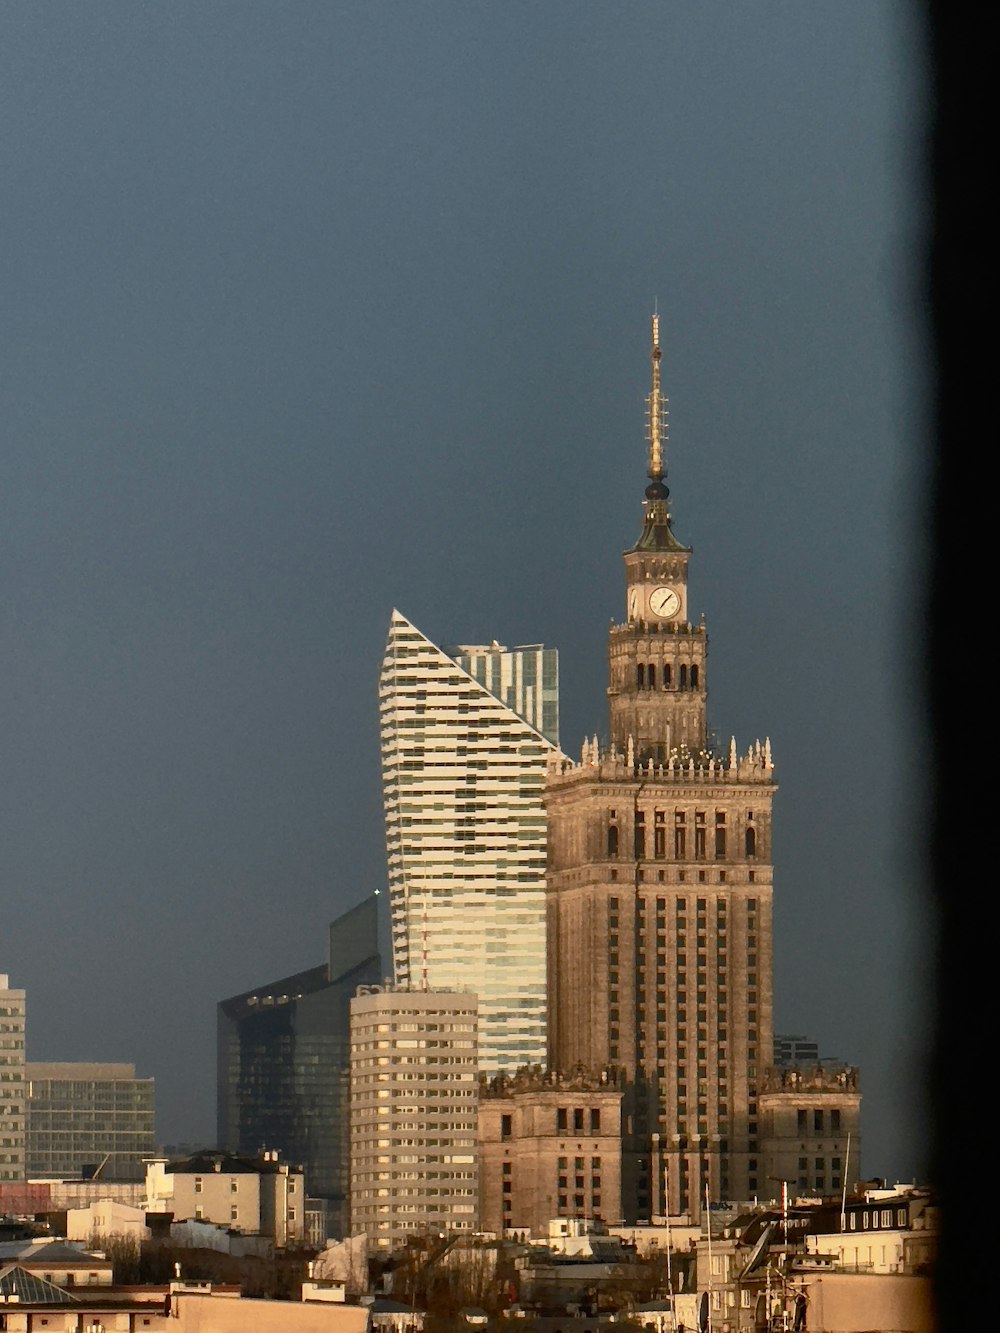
284 1056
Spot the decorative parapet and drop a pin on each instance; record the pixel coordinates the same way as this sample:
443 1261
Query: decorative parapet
611 765
811 1078
536 1078
677 628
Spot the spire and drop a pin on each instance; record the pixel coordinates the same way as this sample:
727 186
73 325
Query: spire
657 535
656 410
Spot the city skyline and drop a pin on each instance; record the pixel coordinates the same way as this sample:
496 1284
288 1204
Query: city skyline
325 313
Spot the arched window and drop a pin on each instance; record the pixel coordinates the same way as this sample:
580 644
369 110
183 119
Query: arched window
751 841
666 677
694 677
612 840
684 677
651 676
640 675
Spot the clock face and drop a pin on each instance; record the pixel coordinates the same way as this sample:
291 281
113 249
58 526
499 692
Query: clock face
664 602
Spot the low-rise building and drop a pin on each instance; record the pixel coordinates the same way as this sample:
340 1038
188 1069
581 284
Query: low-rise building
881 1232
258 1196
101 1220
31 1304
58 1262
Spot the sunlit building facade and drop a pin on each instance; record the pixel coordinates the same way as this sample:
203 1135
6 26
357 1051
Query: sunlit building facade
13 1088
466 736
414 1114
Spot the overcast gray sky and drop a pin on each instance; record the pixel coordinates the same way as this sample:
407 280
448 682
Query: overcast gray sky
314 309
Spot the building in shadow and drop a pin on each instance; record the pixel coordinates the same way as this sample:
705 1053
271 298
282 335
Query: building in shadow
283 1061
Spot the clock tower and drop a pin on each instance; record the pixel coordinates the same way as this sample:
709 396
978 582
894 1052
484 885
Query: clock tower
658 897
656 658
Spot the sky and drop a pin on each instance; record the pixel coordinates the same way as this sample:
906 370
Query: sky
316 309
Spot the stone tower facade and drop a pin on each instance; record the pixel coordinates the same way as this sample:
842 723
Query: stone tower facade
659 894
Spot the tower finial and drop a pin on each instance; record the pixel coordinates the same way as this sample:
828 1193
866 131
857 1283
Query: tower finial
656 410
656 534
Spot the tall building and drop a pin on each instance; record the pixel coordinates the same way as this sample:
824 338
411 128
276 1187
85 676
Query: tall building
13 1110
414 1089
84 1118
284 1061
466 737
794 1050
659 892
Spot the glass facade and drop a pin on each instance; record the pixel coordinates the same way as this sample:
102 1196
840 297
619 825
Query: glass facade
87 1117
466 736
283 1052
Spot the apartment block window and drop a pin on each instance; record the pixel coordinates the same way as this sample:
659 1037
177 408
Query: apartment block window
578 1119
834 1122
197 1184
802 1121
818 1122
595 1120
234 1187
506 1126
561 1118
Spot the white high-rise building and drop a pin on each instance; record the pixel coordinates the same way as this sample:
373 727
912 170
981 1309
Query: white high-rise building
466 734
13 1088
414 1113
